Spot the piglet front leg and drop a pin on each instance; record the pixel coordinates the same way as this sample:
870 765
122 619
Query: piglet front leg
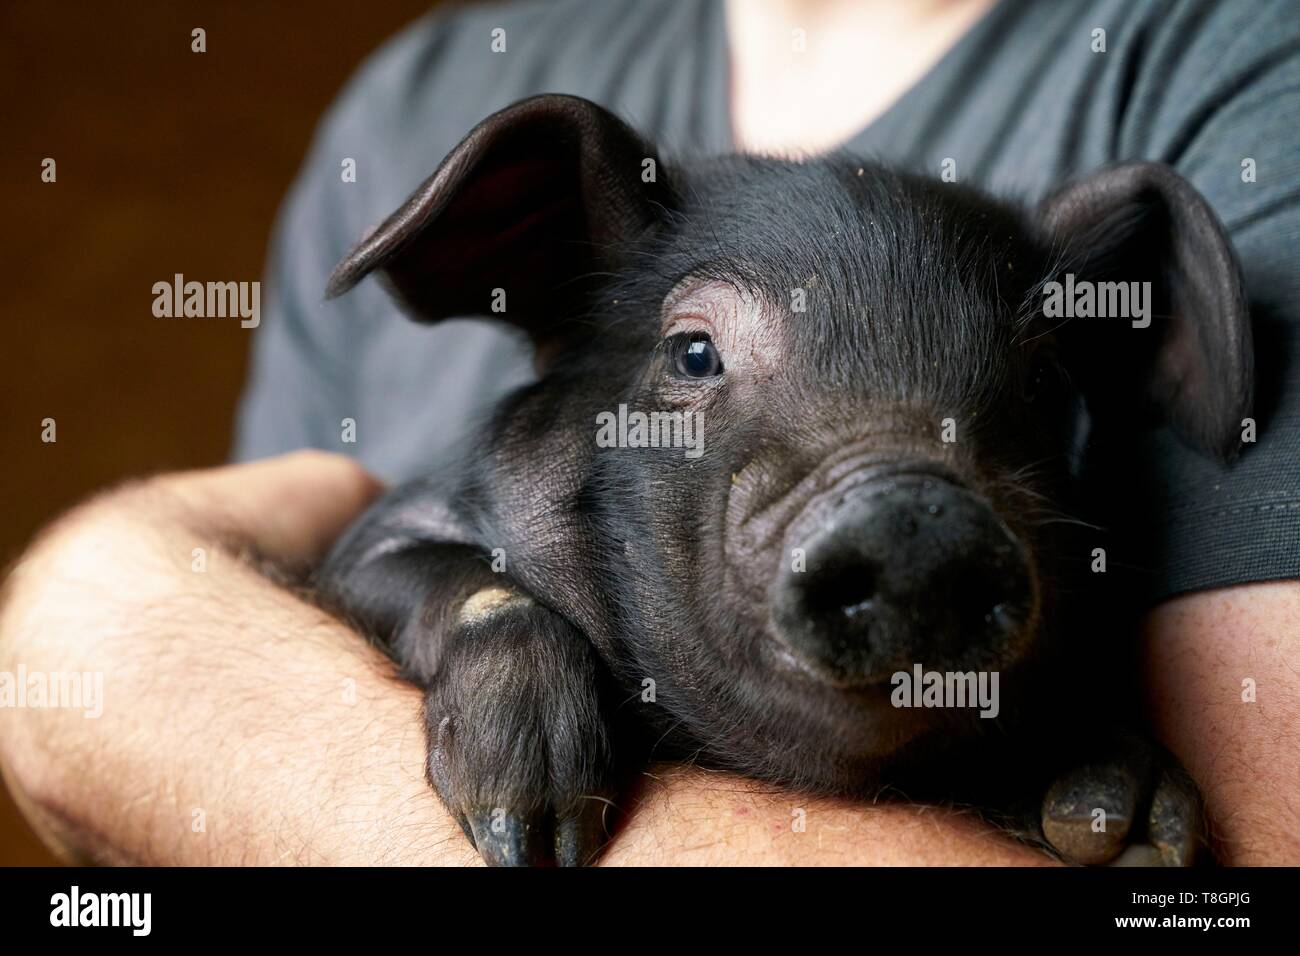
520 747
1126 801
517 701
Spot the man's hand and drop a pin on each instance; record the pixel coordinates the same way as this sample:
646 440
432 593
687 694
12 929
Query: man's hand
241 724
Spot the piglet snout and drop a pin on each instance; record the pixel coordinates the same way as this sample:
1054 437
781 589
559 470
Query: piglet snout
913 569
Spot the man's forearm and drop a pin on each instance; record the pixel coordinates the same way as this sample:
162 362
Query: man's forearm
688 817
1223 668
239 724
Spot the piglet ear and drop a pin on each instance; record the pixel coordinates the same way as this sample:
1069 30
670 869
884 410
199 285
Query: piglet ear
533 202
1142 222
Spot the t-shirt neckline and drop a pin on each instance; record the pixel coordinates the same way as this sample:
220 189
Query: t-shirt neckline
876 130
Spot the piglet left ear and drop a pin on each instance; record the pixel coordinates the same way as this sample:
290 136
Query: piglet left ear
1142 222
537 201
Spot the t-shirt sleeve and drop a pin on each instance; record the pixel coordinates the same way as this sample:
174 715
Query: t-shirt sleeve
1224 99
304 364
295 384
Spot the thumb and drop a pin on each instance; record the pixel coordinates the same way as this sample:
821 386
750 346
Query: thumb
291 508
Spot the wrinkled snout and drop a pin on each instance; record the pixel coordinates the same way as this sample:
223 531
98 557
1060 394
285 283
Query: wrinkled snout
911 569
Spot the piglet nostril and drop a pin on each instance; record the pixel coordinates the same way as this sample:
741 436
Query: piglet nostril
988 604
846 590
859 607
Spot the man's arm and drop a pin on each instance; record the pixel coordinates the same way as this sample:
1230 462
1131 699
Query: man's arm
241 724
1223 680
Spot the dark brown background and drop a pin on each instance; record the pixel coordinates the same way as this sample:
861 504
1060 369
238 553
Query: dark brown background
168 161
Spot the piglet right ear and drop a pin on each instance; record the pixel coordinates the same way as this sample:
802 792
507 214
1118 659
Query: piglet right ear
534 202
1194 365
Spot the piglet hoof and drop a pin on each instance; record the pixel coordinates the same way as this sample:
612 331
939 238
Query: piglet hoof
519 742
1133 807
573 836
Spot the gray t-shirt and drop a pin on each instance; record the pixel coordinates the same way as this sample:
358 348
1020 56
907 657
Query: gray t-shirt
1022 102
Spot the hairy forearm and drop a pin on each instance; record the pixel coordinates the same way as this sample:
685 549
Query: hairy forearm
239 724
1223 668
689 817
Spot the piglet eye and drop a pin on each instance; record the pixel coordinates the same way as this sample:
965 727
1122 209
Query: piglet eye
694 355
